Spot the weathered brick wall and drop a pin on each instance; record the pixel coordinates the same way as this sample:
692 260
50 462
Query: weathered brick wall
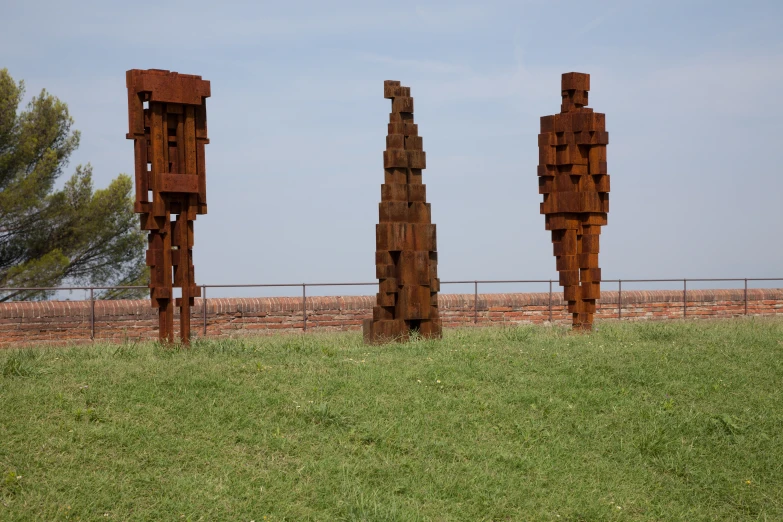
63 322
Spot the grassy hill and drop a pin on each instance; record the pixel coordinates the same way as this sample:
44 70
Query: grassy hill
637 421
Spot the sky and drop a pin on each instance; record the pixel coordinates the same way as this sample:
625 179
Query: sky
297 125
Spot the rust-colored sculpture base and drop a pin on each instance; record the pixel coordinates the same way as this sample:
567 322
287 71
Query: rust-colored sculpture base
168 126
406 260
575 184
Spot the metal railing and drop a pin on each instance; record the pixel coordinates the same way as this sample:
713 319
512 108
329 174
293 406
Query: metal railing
475 283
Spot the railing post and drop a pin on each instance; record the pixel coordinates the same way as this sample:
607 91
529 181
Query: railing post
746 296
204 306
92 315
475 302
619 299
550 300
684 298
304 308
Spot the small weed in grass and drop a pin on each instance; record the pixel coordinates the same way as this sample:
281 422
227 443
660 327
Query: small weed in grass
20 363
11 483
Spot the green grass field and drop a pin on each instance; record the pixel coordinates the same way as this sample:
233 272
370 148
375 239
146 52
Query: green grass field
637 421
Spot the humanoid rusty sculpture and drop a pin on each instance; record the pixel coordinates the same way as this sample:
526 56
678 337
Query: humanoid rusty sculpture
575 184
406 261
169 137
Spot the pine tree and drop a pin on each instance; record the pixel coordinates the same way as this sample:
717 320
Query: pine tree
49 237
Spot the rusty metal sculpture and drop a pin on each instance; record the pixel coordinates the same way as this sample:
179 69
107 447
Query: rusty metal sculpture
406 260
575 184
168 125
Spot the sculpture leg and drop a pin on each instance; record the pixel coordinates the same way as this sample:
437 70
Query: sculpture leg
183 275
162 322
565 245
166 320
167 307
589 274
184 318
160 283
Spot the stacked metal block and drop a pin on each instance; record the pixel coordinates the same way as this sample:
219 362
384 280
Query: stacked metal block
575 184
168 126
406 260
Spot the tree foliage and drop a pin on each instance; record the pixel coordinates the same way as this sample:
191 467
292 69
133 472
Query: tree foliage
50 236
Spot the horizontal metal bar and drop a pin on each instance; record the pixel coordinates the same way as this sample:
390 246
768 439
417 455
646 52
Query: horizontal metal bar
495 281
473 281
65 288
297 285
680 280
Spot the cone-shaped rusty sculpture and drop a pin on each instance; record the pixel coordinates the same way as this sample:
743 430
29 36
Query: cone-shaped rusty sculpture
406 260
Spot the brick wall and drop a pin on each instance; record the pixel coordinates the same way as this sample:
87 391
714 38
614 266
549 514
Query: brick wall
64 322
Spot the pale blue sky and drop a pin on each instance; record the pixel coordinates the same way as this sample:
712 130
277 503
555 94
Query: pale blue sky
297 122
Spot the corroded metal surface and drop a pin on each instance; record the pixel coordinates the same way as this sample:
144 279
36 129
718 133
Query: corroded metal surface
168 125
575 184
406 258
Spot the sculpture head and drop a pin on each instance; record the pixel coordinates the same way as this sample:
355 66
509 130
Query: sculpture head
574 87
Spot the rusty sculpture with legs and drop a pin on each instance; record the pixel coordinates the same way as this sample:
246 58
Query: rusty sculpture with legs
168 126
